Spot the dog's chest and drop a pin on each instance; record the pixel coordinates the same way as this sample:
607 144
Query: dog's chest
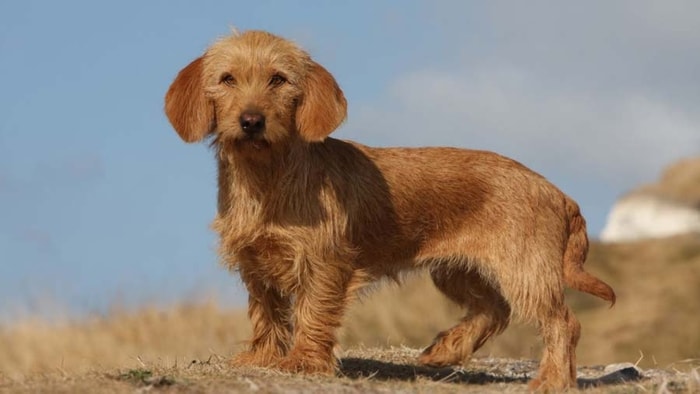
274 259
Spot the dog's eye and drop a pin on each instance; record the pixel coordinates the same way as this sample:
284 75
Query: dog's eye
227 79
277 80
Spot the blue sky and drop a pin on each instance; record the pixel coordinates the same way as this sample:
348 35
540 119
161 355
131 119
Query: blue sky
102 204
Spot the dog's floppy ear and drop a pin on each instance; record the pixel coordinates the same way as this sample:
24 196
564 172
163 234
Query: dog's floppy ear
188 109
323 107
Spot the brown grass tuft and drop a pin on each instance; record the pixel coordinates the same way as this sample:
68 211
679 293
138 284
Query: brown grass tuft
120 340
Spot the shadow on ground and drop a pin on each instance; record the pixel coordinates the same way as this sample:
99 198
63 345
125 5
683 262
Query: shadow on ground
360 368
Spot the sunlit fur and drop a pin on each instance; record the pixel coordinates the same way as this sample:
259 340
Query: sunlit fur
308 220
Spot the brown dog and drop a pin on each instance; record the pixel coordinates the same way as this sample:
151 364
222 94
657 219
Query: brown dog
308 220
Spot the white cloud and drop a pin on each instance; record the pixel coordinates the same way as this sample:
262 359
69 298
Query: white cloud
604 89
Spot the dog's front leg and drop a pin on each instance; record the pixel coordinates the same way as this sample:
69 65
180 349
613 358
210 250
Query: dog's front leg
269 313
318 311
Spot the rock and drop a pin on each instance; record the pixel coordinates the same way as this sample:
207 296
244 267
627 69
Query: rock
668 207
614 374
618 367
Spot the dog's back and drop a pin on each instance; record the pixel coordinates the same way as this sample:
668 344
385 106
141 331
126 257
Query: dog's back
404 208
477 209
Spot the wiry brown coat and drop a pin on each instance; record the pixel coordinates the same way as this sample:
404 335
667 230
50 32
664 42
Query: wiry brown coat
309 220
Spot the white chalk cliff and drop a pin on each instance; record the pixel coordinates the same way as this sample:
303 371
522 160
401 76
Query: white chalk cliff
669 207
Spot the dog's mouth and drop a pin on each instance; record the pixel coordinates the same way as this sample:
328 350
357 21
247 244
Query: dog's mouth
252 142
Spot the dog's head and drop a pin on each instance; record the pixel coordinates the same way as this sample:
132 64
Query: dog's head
254 90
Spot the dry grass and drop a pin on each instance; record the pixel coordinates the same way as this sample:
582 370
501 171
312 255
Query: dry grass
679 182
362 371
658 285
120 340
657 313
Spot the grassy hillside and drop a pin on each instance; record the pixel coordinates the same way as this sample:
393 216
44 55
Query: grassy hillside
656 318
656 315
679 182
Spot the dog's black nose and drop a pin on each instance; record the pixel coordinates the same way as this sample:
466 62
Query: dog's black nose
252 122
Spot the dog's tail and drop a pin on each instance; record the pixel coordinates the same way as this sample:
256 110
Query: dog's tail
575 255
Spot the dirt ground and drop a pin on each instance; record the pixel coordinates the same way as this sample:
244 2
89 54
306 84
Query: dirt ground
362 371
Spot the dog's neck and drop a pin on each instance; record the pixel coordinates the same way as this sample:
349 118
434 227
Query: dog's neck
259 176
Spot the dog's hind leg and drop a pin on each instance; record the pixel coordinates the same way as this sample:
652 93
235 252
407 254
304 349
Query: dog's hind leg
487 314
560 331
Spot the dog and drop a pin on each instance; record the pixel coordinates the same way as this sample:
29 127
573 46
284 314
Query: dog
309 220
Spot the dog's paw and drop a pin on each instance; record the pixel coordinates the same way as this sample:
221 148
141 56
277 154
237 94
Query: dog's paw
551 383
307 364
437 355
253 359
549 386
